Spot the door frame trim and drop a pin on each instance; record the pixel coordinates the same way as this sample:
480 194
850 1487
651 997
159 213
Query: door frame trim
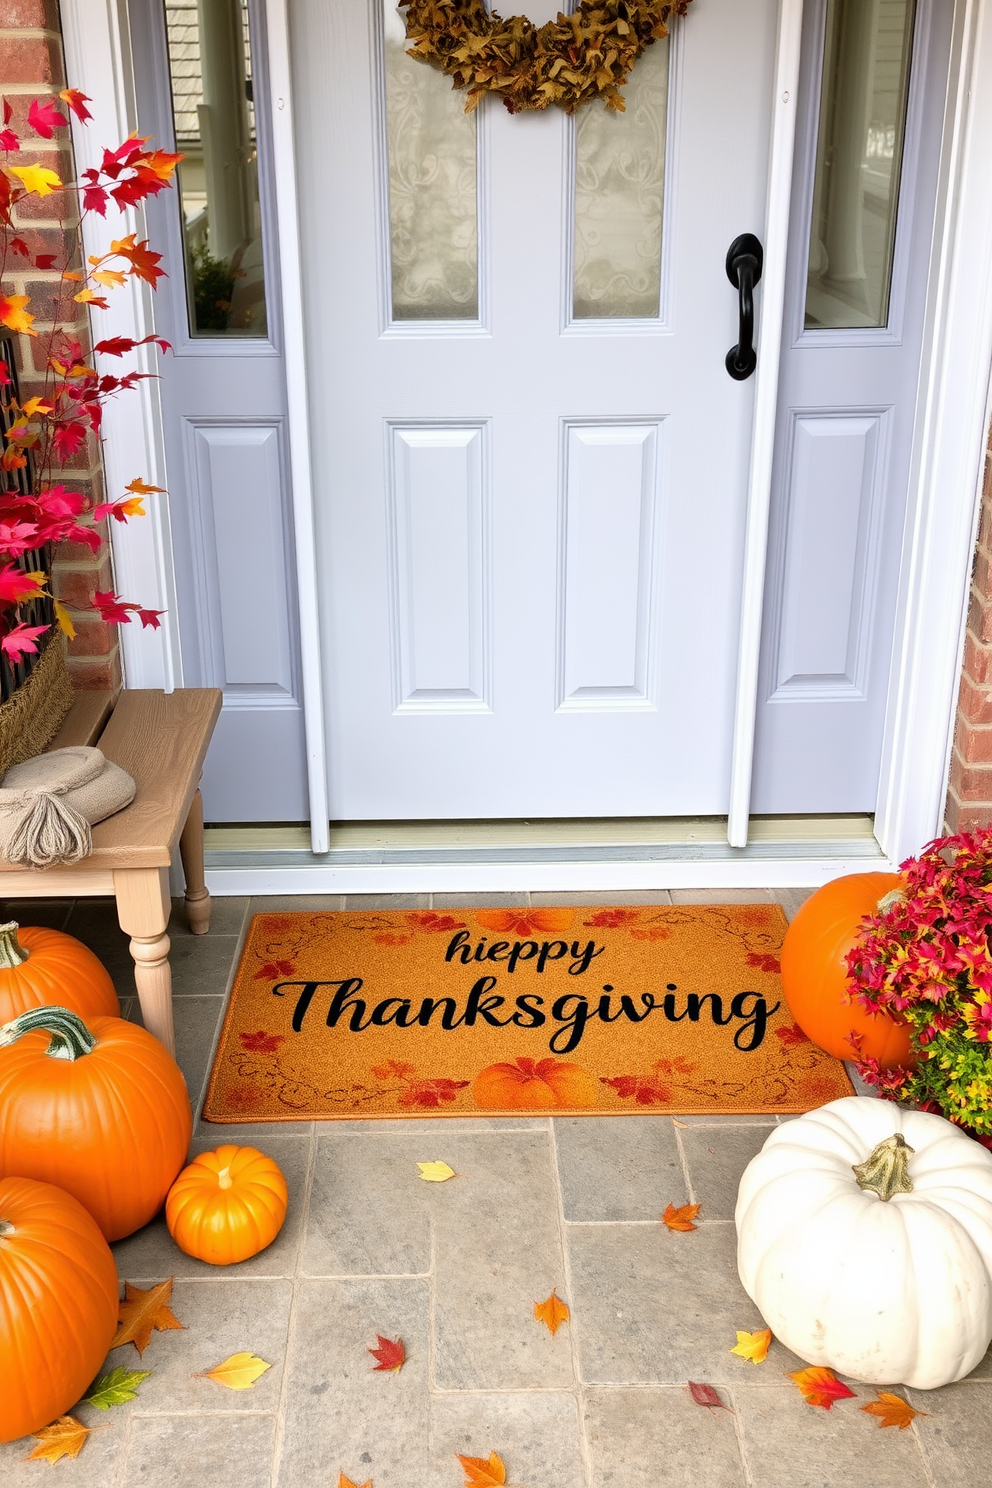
98 60
948 454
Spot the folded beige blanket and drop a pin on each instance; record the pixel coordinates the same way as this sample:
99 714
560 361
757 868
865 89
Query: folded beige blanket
49 803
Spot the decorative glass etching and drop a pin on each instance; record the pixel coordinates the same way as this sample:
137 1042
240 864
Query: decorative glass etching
214 116
619 196
858 159
433 213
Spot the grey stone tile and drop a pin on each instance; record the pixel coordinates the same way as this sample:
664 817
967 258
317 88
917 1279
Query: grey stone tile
655 1308
231 1315
226 1451
715 1118
497 1251
956 1436
721 896
618 1167
96 1466
151 1255
203 965
421 1125
794 1445
227 917
537 1436
342 1416
716 1157
481 900
369 1208
196 1020
284 903
94 922
604 896
387 901
650 1438
52 913
791 899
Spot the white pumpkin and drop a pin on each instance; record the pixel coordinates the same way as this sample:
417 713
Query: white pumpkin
893 1290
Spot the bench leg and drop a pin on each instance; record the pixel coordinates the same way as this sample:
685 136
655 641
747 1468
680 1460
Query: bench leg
191 852
143 906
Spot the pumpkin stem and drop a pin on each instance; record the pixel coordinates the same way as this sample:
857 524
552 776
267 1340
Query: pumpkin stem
70 1036
6 1228
884 1172
224 1178
12 953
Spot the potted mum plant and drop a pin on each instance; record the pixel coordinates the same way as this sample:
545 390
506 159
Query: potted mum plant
926 955
40 506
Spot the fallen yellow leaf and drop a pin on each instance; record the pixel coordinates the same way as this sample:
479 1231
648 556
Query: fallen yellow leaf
552 1313
892 1410
483 1473
239 1372
64 1438
436 1172
753 1346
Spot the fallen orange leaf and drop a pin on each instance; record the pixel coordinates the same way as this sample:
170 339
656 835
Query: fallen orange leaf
892 1410
483 1473
141 1311
681 1218
753 1346
344 1482
820 1387
64 1438
552 1313
390 1355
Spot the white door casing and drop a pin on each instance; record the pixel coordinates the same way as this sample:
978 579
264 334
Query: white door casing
530 530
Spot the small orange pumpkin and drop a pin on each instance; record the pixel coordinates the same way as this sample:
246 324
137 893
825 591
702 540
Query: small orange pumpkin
39 967
227 1205
814 971
534 1085
58 1304
98 1107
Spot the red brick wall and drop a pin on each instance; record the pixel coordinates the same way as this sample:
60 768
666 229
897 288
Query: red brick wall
969 795
32 66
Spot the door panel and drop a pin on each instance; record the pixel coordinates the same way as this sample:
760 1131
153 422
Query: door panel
855 298
201 90
563 493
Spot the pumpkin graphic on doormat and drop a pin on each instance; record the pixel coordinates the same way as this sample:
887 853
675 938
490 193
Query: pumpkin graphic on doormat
534 1085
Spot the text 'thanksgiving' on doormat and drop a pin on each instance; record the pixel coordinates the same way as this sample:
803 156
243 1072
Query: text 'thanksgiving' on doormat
431 1013
452 1014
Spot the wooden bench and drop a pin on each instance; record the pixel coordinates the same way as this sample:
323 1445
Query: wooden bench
161 740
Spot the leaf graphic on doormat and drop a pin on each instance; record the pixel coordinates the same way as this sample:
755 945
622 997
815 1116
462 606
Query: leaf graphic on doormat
482 1472
820 1387
261 1042
791 1035
273 970
681 1218
64 1438
141 1311
706 1395
552 1313
892 1410
391 1355
524 922
753 1346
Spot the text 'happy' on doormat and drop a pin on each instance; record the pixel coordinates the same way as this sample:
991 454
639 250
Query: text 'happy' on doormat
585 1010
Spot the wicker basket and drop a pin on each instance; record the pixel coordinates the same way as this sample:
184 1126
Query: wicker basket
33 715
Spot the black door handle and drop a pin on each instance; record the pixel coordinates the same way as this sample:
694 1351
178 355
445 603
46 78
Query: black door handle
744 261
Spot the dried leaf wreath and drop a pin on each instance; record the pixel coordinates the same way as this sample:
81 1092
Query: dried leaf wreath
567 62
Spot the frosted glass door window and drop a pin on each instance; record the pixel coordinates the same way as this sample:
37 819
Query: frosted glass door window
214 117
619 198
432 173
858 160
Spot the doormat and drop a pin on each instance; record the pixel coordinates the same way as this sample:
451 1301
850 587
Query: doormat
669 1008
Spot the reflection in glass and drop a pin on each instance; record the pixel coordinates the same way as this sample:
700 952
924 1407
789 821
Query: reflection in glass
619 194
210 66
433 217
858 160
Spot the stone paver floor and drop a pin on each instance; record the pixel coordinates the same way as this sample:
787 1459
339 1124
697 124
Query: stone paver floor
454 1269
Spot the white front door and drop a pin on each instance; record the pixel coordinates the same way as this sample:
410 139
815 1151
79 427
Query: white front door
530 462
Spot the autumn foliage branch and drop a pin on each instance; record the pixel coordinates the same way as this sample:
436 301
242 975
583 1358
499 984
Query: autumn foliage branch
49 428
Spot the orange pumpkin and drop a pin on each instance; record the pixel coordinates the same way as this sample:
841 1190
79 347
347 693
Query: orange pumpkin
58 1304
534 1085
40 967
98 1107
227 1205
814 972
